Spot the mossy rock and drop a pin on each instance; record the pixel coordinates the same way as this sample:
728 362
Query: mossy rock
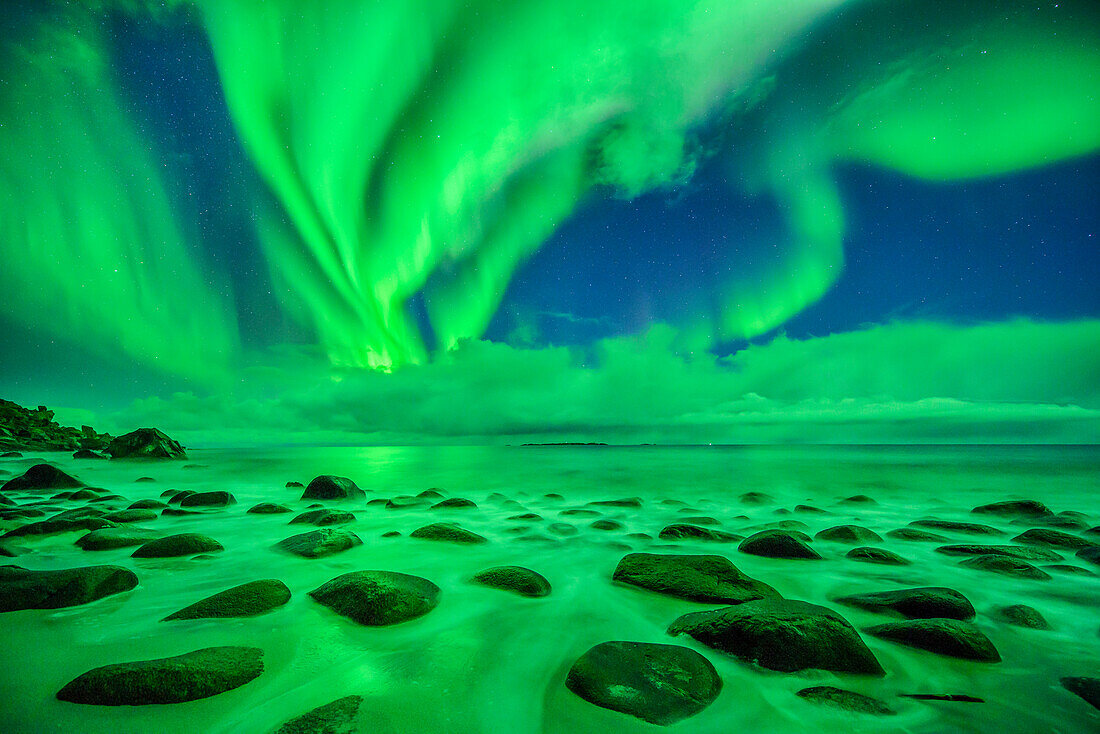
778 544
843 699
183 544
41 476
246 600
319 543
522 581
701 578
447 531
377 598
331 487
923 602
952 637
21 588
332 718
111 538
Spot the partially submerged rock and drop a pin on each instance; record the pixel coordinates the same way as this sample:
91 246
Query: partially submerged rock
923 602
128 516
660 684
847 700
1021 615
377 598
1053 539
518 579
877 555
268 508
915 535
1006 566
1014 508
145 443
455 503
58 524
849 534
777 544
701 578
625 502
1024 553
182 544
323 517
246 600
111 538
194 675
969 528
21 588
447 531
331 487
319 543
1085 687
332 718
684 531
218 498
952 637
783 635
41 476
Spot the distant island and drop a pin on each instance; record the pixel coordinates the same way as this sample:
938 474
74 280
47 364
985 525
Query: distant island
567 443
22 429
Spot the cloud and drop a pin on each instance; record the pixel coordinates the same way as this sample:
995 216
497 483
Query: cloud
1016 381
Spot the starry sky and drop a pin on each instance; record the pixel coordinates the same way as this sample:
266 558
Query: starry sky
661 222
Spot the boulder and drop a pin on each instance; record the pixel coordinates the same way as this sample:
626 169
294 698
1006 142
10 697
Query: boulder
377 598
218 498
147 505
454 503
877 555
323 517
607 525
178 497
268 508
923 602
756 498
1053 538
194 675
683 531
701 578
295 485
447 531
332 718
1023 553
660 684
858 499
183 544
87 454
777 544
1006 566
59 525
522 581
625 502
969 528
1014 508
849 534
847 700
246 600
579 512
404 502
1021 615
952 637
330 487
915 535
41 476
783 635
1092 555
1086 688
145 443
127 516
21 588
319 543
111 538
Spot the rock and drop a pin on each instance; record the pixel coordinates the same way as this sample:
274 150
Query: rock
579 512
701 578
877 555
522 581
858 499
145 443
173 511
323 517
454 503
606 525
268 508
919 536
1092 555
330 487
435 494
1022 615
1023 553
332 718
246 600
41 476
1068 568
377 598
87 454
183 544
111 538
969 528
660 684
783 635
1053 538
683 531
11 455
401 503
700 520
810 509
147 505
209 499
955 697
952 637
1014 508
925 602
849 534
180 496
294 485
194 675
756 498
59 525
626 502
80 494
319 543
1006 566
847 700
126 516
24 589
562 528
777 544
530 516
447 531
1086 688
11 550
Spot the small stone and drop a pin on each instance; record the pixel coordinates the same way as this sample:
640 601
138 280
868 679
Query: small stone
1006 566
684 531
1017 508
209 499
919 536
849 534
1053 538
454 503
111 538
606 525
268 508
958 527
1023 553
126 516
626 502
323 518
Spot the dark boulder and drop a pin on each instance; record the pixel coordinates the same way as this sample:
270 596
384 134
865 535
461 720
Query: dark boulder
41 476
21 588
403 502
701 578
295 485
1086 688
660 684
268 508
522 581
454 503
319 543
127 516
87 454
1006 566
323 517
111 538
626 502
858 499
918 536
1053 538
145 443
579 512
194 675
877 555
923 602
59 525
246 600
1023 553
332 718
529 516
377 598
330 487
952 637
183 544
1092 555
218 498
847 700
756 498
607 525
1021 615
447 531
147 505
1014 508
783 635
969 528
180 496
849 534
777 544
683 531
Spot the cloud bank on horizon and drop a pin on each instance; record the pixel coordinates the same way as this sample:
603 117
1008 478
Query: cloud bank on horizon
424 150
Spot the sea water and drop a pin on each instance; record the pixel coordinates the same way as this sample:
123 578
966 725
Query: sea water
486 660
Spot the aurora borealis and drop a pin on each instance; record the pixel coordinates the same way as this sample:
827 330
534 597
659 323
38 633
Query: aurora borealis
350 221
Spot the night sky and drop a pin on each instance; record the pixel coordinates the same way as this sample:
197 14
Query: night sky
663 222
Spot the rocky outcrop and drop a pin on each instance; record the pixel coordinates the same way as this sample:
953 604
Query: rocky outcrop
36 430
377 598
702 578
194 675
21 588
41 476
246 600
145 443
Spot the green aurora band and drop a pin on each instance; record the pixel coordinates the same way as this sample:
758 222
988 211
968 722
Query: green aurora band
430 147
